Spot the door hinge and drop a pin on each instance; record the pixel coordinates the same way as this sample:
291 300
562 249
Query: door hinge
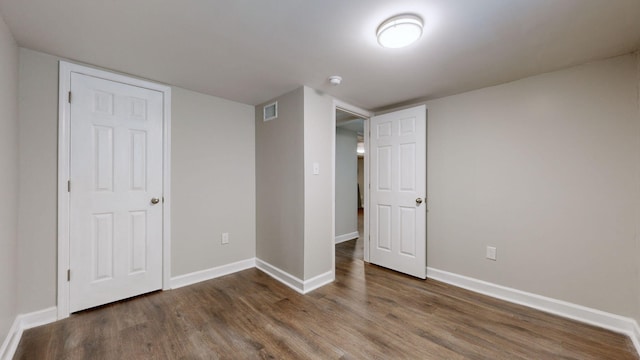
68 185
68 274
69 97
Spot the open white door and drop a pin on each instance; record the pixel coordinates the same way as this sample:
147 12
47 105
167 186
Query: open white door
116 175
398 186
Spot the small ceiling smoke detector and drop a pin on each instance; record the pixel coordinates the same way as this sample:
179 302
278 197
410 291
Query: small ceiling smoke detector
335 80
399 31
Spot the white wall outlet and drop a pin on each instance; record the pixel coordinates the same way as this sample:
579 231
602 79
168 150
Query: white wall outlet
492 253
316 168
225 238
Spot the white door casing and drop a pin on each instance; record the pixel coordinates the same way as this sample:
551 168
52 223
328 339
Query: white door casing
397 217
114 149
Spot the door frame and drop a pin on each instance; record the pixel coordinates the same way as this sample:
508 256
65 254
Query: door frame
341 105
64 155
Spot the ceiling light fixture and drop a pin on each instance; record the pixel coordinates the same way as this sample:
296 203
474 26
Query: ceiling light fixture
399 31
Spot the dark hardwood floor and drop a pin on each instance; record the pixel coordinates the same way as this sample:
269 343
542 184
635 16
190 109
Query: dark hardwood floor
367 313
353 249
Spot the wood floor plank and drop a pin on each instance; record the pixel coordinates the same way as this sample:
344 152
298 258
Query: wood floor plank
367 313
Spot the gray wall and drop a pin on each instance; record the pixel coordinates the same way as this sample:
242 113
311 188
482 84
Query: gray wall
212 181
319 132
346 182
37 249
547 169
8 178
280 184
293 206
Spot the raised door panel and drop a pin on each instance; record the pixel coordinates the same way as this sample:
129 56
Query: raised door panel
407 227
138 160
407 172
384 171
383 217
138 241
102 244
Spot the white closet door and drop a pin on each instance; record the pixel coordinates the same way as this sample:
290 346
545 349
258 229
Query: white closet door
116 191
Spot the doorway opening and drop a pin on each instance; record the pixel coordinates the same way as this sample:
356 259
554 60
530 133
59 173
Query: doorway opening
394 209
350 185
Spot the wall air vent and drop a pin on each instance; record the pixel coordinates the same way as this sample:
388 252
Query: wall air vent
270 111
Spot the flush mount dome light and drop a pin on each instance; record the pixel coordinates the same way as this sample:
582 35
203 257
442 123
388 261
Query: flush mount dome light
399 31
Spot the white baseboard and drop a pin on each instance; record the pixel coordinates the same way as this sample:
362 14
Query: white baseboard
22 323
293 282
10 343
208 274
37 318
635 335
318 281
347 237
280 275
609 321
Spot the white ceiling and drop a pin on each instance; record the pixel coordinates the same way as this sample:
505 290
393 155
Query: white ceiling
253 50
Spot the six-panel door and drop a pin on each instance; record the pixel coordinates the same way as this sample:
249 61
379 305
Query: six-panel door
115 171
398 161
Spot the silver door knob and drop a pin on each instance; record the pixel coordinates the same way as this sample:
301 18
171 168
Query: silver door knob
419 201
155 201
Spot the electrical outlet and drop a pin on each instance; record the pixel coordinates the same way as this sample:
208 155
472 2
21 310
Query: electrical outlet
225 238
492 253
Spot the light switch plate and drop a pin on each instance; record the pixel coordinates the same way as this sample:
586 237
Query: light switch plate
492 253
